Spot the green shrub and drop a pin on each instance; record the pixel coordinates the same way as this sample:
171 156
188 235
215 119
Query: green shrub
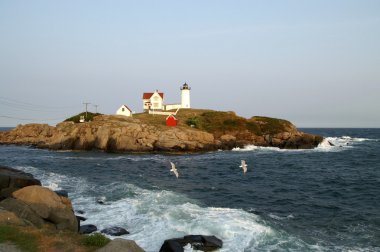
76 118
95 240
193 121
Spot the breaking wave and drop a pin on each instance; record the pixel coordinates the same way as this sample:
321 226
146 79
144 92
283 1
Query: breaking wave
328 144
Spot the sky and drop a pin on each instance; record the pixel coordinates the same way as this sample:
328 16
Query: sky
314 63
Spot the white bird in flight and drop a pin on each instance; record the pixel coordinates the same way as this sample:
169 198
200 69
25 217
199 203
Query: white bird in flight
174 170
243 166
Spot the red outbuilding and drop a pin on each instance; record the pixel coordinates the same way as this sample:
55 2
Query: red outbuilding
171 120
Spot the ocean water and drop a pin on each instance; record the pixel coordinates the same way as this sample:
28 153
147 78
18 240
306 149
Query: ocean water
324 199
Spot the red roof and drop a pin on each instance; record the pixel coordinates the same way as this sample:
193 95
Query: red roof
148 95
171 120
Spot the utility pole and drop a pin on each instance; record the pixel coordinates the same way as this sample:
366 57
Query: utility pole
96 108
86 103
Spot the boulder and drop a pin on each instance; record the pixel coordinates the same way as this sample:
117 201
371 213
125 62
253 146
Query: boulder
115 231
23 211
49 206
198 242
87 229
121 245
171 245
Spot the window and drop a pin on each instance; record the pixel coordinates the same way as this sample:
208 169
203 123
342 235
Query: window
122 109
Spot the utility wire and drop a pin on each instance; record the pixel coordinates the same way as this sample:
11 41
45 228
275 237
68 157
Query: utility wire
31 119
30 106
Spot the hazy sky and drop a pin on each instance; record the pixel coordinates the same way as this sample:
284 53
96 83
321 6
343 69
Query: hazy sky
315 63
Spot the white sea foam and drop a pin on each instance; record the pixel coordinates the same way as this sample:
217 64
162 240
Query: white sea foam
252 147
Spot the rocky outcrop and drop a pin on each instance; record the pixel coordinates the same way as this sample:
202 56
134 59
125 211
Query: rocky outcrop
109 133
122 134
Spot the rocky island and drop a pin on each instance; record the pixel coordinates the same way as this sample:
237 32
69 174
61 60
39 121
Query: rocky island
197 130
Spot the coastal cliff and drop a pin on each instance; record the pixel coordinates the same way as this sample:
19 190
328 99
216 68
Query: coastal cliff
197 130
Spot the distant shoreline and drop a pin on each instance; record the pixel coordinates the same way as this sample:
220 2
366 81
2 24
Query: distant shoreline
6 128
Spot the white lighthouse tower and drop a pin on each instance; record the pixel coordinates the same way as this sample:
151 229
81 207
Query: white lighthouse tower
185 96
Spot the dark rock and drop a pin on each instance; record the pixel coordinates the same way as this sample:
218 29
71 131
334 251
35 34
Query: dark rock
11 180
17 179
115 231
198 242
81 218
87 229
7 192
62 193
171 245
80 211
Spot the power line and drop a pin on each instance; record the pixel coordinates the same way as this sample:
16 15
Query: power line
24 106
31 119
86 103
13 101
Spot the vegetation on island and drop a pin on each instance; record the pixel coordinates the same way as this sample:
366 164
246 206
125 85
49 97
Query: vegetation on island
209 120
32 239
89 116
220 121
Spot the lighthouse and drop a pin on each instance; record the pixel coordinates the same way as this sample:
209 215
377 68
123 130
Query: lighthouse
185 96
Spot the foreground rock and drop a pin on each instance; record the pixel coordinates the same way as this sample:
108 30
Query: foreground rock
121 245
122 134
39 206
12 180
198 242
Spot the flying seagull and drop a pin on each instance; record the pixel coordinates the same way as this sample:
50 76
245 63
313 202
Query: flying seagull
243 166
174 170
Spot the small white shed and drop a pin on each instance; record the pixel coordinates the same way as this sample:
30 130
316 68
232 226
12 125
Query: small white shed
124 110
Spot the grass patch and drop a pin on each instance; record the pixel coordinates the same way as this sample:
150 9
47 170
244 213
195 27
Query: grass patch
270 125
95 240
25 241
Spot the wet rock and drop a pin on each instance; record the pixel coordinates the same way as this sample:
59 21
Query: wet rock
171 245
87 229
115 231
198 242
81 218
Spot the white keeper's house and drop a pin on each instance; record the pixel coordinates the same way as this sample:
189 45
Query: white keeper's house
155 101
